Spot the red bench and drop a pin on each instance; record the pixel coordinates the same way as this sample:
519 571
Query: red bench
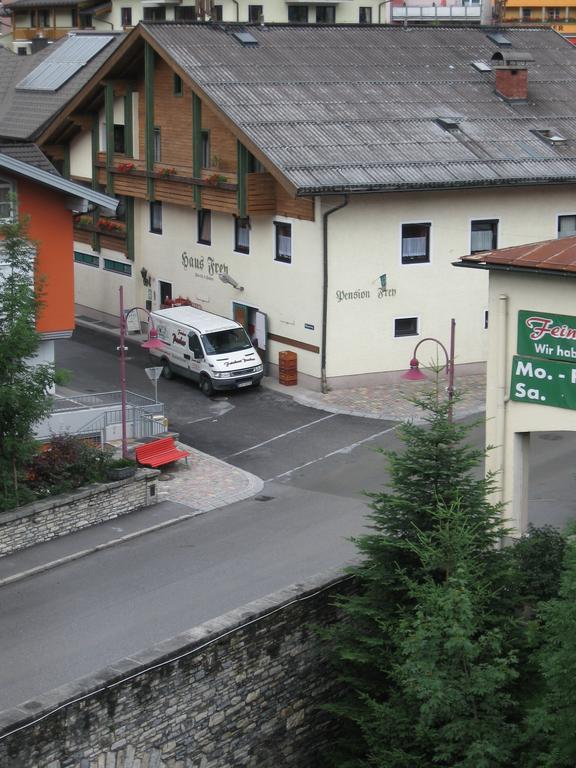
163 451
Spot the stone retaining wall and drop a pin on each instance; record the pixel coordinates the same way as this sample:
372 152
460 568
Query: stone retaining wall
50 518
241 691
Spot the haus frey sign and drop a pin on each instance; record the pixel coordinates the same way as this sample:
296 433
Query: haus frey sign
541 334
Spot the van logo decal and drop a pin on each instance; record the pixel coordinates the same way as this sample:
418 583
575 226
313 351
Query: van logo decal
178 339
228 363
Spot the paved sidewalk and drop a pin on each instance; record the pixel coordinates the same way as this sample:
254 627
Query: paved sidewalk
206 483
390 402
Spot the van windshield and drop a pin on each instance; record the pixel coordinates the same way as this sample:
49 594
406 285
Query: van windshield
223 342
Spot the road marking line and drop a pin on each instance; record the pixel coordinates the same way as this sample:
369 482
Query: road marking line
345 449
278 437
206 418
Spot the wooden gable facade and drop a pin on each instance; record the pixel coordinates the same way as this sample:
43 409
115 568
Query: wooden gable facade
171 146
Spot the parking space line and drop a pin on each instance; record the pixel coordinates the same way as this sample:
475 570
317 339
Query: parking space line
279 437
345 449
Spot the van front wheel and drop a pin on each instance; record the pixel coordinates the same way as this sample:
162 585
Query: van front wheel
166 370
206 386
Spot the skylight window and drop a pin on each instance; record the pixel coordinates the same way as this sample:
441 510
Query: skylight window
449 123
481 66
498 38
549 135
245 39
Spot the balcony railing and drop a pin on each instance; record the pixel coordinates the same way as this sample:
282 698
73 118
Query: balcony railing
431 12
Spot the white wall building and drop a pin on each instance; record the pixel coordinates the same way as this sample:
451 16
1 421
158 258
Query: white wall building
425 156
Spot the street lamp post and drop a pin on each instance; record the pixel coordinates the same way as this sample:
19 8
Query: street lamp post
415 374
122 349
153 343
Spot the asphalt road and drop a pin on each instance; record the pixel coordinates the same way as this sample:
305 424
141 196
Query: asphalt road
76 619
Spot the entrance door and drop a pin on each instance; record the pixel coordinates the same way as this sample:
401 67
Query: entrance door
165 292
241 315
255 324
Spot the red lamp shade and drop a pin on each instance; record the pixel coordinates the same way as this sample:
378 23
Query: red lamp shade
414 374
153 341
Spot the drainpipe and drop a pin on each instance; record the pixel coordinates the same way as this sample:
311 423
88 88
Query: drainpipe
237 9
501 389
384 2
343 204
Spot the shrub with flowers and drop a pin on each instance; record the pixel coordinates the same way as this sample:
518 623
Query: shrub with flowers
111 225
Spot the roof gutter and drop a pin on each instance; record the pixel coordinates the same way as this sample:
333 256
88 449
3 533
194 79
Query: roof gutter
57 182
535 271
343 204
435 187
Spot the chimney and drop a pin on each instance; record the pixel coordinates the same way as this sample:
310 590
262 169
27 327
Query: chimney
511 69
38 43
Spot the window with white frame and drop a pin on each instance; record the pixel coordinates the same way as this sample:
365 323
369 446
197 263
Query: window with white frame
365 15
283 237
205 226
483 235
567 226
242 235
156 217
415 243
6 200
405 326
206 160
157 145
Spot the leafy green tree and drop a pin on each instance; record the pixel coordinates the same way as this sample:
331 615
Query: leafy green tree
24 383
437 470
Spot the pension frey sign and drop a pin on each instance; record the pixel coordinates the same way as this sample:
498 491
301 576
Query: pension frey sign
544 370
544 335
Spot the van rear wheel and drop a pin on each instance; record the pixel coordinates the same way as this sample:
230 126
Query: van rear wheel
167 372
206 386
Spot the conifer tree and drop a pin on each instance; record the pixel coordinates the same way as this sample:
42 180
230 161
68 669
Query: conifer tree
436 471
24 382
553 722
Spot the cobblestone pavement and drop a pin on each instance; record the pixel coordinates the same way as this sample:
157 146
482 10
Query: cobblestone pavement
206 483
391 402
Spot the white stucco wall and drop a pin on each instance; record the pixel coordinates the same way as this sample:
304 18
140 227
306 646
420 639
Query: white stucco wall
290 294
97 288
81 155
509 422
365 242
274 11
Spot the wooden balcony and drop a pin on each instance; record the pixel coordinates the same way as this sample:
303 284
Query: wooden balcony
112 233
49 33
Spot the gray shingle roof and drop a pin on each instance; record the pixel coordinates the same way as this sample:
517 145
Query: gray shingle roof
355 107
21 5
24 113
30 154
55 181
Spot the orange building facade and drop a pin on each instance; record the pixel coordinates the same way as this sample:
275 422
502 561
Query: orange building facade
50 226
48 202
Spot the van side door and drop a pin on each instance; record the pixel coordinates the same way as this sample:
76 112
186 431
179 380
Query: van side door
196 355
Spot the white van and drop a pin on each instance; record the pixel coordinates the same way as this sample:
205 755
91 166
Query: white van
211 350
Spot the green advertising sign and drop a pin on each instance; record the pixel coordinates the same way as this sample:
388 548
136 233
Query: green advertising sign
542 334
543 382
